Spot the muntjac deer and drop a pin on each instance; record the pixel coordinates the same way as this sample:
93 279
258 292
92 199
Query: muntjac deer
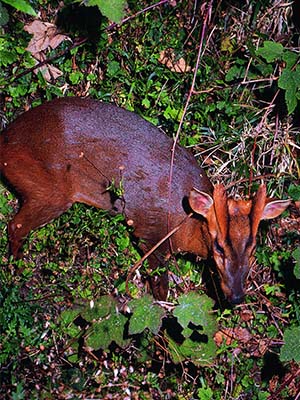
77 150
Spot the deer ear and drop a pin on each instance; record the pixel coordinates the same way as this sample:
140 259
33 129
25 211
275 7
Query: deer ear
200 202
274 208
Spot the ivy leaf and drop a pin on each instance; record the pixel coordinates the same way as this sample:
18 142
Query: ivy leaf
270 51
102 307
114 9
21 5
67 319
290 58
200 353
109 330
194 314
291 348
196 309
68 316
290 79
146 314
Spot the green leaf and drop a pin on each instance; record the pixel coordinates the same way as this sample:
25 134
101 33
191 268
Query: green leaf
4 17
290 82
235 72
145 315
291 348
197 309
109 330
68 316
294 192
290 79
114 9
200 353
290 58
101 308
21 5
296 256
205 393
194 314
7 57
270 51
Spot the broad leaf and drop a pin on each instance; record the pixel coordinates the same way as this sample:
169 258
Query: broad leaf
270 51
100 309
290 81
201 354
113 9
290 58
291 348
104 332
68 316
145 315
21 5
197 309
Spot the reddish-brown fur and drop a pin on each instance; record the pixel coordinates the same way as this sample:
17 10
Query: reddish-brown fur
78 150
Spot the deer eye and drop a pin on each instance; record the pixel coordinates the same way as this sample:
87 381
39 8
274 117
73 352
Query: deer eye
219 249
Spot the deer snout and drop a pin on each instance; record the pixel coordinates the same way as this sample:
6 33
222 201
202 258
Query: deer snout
232 284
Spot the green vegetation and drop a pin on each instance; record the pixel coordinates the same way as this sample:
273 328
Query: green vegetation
68 328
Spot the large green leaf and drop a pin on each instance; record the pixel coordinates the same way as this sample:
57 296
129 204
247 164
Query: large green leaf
194 314
199 353
145 314
21 5
291 348
270 51
103 333
113 9
101 308
290 81
197 309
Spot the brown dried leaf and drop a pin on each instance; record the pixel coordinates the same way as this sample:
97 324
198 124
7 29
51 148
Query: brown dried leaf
246 315
48 71
44 35
242 335
167 57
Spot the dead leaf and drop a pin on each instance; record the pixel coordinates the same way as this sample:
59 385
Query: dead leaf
246 315
45 36
49 72
242 335
168 58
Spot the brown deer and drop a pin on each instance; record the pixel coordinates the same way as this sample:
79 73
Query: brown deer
80 150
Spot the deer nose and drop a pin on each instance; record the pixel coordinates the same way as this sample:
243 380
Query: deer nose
236 298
